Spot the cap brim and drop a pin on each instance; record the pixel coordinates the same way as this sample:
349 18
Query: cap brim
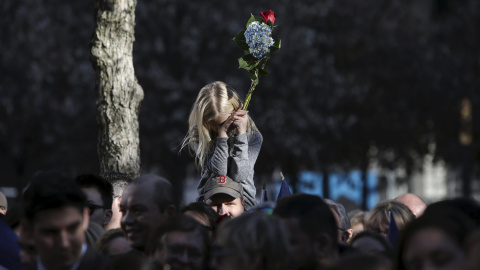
224 190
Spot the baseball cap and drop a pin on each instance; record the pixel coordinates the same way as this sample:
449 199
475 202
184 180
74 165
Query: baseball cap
3 200
222 184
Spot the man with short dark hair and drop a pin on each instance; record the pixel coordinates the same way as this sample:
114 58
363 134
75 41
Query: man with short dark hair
180 242
99 197
312 229
225 196
57 216
145 203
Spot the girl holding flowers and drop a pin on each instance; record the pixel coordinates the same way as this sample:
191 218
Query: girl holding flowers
224 139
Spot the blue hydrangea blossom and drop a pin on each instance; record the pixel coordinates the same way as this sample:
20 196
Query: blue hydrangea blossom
258 37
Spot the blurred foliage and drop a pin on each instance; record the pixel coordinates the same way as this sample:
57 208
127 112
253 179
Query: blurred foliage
354 80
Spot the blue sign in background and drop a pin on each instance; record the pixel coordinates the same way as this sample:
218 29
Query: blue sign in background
348 185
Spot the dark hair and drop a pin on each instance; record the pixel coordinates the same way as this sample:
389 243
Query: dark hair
388 252
453 223
177 223
468 206
52 191
342 214
203 208
163 190
313 214
103 186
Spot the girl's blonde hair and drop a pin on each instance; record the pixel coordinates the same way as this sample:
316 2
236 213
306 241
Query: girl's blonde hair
213 100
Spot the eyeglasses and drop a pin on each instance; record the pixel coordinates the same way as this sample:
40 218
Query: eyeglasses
341 229
94 207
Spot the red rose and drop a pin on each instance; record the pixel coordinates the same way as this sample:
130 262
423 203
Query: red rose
268 15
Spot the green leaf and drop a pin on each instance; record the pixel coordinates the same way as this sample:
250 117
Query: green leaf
240 41
248 62
252 19
263 72
276 46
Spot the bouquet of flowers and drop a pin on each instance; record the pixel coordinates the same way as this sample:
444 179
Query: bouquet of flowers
257 44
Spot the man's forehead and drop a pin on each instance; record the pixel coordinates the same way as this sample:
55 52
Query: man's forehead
221 198
137 195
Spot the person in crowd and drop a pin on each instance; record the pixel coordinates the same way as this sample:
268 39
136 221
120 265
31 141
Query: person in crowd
312 229
344 228
362 261
56 218
435 241
146 201
224 138
254 241
113 242
468 206
99 197
357 221
3 204
204 214
373 243
119 181
180 242
378 219
93 233
225 196
416 204
9 247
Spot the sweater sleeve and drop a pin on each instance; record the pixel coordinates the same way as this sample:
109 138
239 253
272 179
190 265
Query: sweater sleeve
243 158
218 162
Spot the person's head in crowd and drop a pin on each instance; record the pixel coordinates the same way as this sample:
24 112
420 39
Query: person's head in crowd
225 196
145 203
435 241
312 229
254 241
3 204
119 181
378 219
373 243
129 262
99 197
344 227
416 204
204 214
362 261
472 247
180 242
357 220
113 242
56 215
468 206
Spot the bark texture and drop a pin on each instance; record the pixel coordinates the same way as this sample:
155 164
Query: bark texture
118 93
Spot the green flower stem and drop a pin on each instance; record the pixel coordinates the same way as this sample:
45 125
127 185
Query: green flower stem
253 85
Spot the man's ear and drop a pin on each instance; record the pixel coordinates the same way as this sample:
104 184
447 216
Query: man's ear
86 218
107 216
322 247
243 202
346 235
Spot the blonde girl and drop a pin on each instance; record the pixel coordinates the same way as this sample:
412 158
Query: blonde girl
223 138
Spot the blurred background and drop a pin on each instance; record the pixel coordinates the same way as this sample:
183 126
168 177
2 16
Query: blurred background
385 93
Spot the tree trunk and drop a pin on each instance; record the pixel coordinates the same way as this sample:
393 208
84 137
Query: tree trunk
118 93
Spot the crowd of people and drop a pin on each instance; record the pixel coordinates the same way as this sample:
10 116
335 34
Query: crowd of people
88 223
111 221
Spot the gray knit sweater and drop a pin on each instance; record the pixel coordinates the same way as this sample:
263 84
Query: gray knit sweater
234 157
